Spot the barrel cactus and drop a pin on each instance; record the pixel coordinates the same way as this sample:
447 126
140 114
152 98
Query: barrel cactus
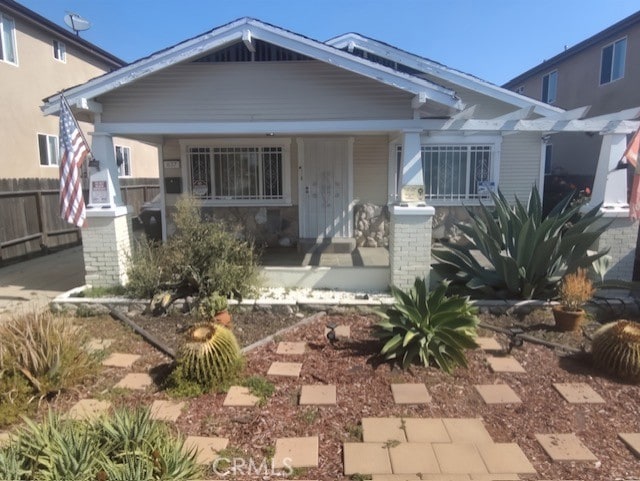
211 355
616 349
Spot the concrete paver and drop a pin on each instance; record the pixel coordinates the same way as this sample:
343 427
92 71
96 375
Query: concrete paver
467 430
208 448
497 394
426 430
342 332
381 430
240 396
459 458
632 440
135 381
285 369
504 364
578 393
4 438
505 458
320 394
88 409
119 359
296 452
412 458
96 345
408 393
565 447
422 477
488 344
291 348
166 410
366 458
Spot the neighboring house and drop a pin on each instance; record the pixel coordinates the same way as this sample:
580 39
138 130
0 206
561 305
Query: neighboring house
603 72
290 137
38 57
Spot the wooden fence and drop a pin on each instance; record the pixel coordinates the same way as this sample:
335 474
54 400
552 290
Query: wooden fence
30 220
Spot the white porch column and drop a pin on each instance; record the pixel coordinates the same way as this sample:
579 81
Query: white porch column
410 226
106 239
610 189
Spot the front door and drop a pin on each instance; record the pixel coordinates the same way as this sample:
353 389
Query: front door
325 188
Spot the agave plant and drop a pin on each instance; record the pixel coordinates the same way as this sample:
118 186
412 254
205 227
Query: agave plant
428 326
528 252
211 356
616 349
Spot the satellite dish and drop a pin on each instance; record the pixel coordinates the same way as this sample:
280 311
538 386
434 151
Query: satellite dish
76 22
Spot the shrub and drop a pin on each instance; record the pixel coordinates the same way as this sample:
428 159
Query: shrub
428 326
528 252
615 348
202 257
128 446
575 290
46 350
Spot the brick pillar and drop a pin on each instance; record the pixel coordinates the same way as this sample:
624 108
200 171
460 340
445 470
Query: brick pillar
410 244
620 237
106 242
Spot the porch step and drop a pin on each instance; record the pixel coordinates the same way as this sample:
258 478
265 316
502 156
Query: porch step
335 245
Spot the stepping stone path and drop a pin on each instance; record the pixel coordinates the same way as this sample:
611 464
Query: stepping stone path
342 332
286 369
320 395
296 452
240 396
4 439
88 409
118 359
632 440
488 344
291 348
497 394
208 448
95 345
410 394
440 447
504 364
166 410
565 447
136 381
578 393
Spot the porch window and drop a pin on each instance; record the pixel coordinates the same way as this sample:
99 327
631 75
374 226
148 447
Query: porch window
454 172
238 173
123 161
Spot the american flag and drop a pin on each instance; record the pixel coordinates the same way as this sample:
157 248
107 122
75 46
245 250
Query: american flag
73 151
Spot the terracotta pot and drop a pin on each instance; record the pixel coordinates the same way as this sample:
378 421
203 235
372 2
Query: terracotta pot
568 320
223 318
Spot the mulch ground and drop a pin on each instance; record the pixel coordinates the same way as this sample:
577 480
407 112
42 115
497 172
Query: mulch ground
363 390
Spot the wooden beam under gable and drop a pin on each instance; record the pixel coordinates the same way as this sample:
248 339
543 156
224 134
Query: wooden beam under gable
246 39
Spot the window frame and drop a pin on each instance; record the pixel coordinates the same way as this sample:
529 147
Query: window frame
283 143
3 18
59 48
50 139
612 45
552 74
126 160
447 139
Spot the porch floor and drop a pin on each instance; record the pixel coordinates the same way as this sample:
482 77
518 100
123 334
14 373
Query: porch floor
359 257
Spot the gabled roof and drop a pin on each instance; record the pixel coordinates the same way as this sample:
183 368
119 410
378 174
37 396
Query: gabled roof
15 9
614 30
245 29
438 70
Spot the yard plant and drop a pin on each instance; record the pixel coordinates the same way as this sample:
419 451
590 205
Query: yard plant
429 327
616 349
527 253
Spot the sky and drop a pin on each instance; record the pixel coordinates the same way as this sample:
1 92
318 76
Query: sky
495 40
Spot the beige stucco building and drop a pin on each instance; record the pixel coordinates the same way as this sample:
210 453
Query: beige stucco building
36 58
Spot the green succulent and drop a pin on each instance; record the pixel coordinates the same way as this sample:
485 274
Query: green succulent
211 356
615 348
428 326
528 252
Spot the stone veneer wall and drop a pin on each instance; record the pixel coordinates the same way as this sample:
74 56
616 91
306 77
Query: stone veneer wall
106 246
266 226
371 225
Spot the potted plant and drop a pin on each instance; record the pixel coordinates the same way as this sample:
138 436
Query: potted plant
214 307
575 291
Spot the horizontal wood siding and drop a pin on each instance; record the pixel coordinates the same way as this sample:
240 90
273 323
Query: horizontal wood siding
255 91
520 165
370 169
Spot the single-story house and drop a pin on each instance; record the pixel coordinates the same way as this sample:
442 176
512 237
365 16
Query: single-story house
299 140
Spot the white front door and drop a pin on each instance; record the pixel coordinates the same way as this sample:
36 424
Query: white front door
325 188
